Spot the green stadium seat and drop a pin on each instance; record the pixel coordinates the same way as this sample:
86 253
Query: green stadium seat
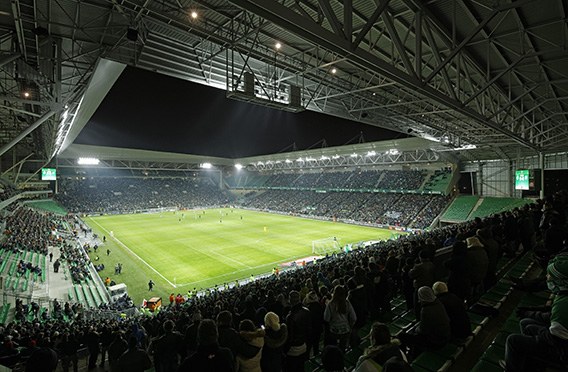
511 326
500 339
450 351
485 366
493 354
431 361
477 319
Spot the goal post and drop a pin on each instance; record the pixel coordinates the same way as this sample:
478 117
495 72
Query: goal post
321 247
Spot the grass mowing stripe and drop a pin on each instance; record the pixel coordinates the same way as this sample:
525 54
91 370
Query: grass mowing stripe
201 250
134 254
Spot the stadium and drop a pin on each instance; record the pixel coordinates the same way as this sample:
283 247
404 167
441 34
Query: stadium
417 221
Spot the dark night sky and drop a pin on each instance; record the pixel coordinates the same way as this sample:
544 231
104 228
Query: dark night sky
149 111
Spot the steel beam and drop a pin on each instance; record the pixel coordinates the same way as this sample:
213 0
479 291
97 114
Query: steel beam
312 32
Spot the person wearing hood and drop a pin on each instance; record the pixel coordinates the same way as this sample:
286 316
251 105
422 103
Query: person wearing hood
382 348
275 337
255 337
544 334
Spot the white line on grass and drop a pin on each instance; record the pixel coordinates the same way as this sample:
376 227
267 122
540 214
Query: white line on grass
238 271
134 254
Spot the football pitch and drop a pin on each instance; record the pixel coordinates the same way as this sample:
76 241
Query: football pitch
183 250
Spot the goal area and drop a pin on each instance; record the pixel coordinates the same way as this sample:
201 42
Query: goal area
321 247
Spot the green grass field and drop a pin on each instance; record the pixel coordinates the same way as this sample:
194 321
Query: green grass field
199 251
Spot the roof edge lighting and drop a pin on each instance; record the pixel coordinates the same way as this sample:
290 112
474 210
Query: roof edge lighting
88 161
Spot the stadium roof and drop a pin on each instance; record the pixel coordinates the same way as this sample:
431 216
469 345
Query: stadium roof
489 74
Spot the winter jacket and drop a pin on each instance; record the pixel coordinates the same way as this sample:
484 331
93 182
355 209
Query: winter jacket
434 323
272 352
375 357
256 339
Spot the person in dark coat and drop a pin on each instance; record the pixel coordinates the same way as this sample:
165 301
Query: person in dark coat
493 254
117 347
313 304
67 349
422 275
134 359
209 357
275 337
92 340
299 333
357 296
167 348
433 330
478 263
229 337
459 282
407 283
460 324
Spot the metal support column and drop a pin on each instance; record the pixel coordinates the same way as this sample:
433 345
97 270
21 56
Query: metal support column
541 166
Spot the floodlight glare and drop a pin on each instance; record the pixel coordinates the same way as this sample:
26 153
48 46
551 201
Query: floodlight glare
393 152
371 153
288 161
194 14
88 161
333 70
354 155
335 157
205 165
239 166
278 46
26 94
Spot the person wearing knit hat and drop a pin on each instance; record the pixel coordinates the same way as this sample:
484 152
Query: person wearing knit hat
543 334
275 337
272 321
460 324
425 294
557 274
433 330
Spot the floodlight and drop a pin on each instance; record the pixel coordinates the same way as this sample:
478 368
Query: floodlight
194 14
335 157
371 153
239 166
354 155
27 94
393 152
88 161
323 157
205 165
300 160
278 45
333 70
288 161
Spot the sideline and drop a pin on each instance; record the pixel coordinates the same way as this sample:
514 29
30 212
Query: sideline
131 252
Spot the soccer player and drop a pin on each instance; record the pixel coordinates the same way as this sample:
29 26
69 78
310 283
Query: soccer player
150 285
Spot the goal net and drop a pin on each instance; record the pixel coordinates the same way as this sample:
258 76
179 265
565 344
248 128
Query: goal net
325 246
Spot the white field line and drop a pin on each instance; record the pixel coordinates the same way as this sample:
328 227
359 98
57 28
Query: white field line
239 271
134 254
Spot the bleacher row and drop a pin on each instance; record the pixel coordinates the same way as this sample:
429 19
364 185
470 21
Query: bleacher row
441 360
463 207
489 361
14 281
87 294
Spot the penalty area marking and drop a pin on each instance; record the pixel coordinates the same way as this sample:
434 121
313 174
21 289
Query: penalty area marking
134 254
